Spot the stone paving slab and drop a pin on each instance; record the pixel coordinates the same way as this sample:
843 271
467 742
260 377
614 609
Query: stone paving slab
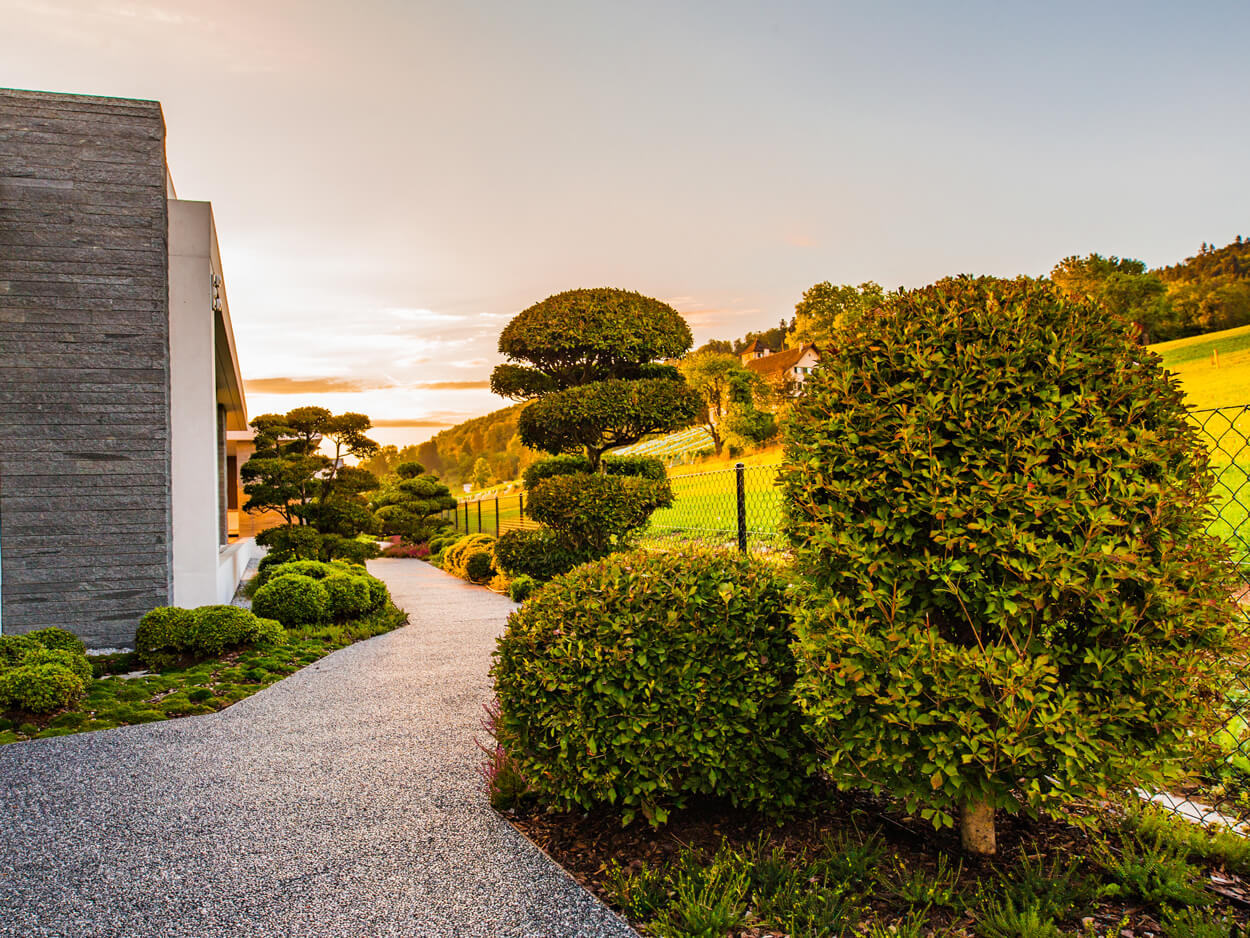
343 801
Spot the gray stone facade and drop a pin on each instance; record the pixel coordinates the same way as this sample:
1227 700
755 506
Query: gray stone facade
84 365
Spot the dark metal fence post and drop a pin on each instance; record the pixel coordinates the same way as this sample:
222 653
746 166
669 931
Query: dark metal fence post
741 472
522 498
479 516
466 517
496 516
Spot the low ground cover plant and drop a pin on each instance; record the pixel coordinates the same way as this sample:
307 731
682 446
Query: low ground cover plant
644 680
200 660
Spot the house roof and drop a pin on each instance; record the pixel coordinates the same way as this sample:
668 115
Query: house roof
756 346
781 361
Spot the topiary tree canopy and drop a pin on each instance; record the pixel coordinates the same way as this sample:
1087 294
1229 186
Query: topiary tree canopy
590 357
999 504
580 336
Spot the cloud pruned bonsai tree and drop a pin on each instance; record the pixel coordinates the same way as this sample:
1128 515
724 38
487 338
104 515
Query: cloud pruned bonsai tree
1000 506
412 505
589 361
318 496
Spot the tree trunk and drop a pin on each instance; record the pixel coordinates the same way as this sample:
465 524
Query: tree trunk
976 828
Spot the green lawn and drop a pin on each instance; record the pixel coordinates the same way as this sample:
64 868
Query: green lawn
1214 368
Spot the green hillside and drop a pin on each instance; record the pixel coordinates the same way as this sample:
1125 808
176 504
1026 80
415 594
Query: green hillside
1214 368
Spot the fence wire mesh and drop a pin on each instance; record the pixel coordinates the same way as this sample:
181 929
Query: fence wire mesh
741 509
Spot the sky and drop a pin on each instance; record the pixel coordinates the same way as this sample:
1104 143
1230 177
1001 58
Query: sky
393 180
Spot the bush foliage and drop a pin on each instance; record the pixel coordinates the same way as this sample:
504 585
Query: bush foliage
294 599
643 680
1000 505
594 512
540 554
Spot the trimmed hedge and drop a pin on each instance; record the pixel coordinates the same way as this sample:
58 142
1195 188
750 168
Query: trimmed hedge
62 657
39 688
161 639
217 628
521 588
479 566
645 679
539 554
595 513
566 464
293 599
13 648
58 639
347 596
457 555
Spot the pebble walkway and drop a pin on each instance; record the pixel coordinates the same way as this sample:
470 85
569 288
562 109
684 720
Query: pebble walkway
343 801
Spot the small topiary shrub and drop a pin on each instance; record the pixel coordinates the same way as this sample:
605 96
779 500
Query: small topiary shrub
292 599
597 513
455 556
479 567
13 648
520 589
55 638
645 679
347 596
265 633
312 568
540 554
39 688
218 628
63 657
1000 504
379 595
162 638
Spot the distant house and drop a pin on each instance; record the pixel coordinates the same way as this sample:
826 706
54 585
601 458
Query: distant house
786 370
121 403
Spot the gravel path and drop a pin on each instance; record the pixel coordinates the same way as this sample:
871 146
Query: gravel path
343 801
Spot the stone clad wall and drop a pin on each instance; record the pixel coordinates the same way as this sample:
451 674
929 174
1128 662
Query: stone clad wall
84 365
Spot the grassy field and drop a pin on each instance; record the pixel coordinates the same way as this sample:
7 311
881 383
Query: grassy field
1214 368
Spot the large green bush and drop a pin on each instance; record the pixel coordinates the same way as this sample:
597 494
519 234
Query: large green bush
293 599
999 504
645 679
39 688
162 637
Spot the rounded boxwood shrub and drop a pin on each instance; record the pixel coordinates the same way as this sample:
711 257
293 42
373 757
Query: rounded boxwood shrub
265 633
292 599
217 628
594 512
347 596
65 658
1000 505
161 640
379 595
13 648
645 679
55 638
455 556
39 688
313 568
479 566
540 554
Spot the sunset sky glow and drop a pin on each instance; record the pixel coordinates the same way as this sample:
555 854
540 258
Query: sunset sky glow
394 179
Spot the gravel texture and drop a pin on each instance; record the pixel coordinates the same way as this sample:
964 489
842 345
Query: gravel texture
343 801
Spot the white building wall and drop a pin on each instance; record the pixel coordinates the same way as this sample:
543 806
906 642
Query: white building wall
193 406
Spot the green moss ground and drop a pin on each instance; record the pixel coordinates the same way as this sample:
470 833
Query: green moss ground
112 700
